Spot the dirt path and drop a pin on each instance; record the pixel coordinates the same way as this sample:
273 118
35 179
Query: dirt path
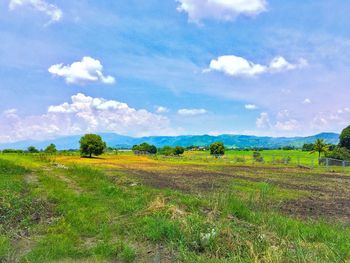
70 183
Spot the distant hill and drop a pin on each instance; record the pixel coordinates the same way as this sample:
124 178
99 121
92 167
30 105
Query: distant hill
239 141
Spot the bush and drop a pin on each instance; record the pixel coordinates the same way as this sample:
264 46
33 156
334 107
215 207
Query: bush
12 151
167 151
257 157
51 149
32 149
288 148
217 148
179 150
308 147
145 147
340 153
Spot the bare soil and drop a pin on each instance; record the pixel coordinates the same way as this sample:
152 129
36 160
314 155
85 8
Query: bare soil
329 194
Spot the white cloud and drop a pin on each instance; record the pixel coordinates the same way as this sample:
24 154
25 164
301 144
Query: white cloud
191 112
263 121
81 72
238 66
50 10
83 114
307 101
161 109
331 120
226 10
283 122
287 125
250 106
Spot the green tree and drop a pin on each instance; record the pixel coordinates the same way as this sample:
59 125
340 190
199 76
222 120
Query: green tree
91 144
340 153
179 150
167 150
308 147
320 146
217 148
145 147
51 148
344 138
32 149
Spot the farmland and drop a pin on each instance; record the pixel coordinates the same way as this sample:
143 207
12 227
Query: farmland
127 208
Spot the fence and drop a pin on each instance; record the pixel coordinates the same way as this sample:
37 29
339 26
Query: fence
261 158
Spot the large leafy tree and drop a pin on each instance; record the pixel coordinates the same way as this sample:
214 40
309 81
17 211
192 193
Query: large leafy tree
51 148
217 148
178 150
344 138
320 146
91 144
32 149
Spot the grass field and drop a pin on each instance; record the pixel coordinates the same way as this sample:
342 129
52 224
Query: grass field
126 208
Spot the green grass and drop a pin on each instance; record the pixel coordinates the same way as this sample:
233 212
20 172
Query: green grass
99 214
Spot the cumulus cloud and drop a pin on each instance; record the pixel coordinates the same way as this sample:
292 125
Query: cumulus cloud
191 112
250 106
331 120
239 66
226 10
81 72
50 10
287 125
283 122
263 121
161 109
83 114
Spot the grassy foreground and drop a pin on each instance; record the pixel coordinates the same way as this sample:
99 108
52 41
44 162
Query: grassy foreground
135 209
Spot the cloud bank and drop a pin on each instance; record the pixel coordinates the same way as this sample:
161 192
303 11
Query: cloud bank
83 114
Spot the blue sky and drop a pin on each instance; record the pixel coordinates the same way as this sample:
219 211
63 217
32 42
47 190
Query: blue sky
147 67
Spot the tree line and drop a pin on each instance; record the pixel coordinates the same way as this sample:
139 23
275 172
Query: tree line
93 145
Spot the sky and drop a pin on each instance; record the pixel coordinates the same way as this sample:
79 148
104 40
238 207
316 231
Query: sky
147 67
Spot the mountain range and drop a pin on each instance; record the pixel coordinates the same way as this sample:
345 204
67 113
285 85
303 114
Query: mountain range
237 141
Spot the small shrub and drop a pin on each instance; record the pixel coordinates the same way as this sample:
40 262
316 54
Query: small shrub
257 157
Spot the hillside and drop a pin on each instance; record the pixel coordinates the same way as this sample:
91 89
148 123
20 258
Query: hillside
239 141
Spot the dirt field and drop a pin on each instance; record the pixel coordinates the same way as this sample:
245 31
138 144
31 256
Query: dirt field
316 195
125 208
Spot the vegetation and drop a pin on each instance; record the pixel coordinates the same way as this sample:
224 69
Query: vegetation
124 208
168 150
32 149
308 147
91 144
145 148
340 153
51 149
178 150
320 146
344 138
217 148
12 151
